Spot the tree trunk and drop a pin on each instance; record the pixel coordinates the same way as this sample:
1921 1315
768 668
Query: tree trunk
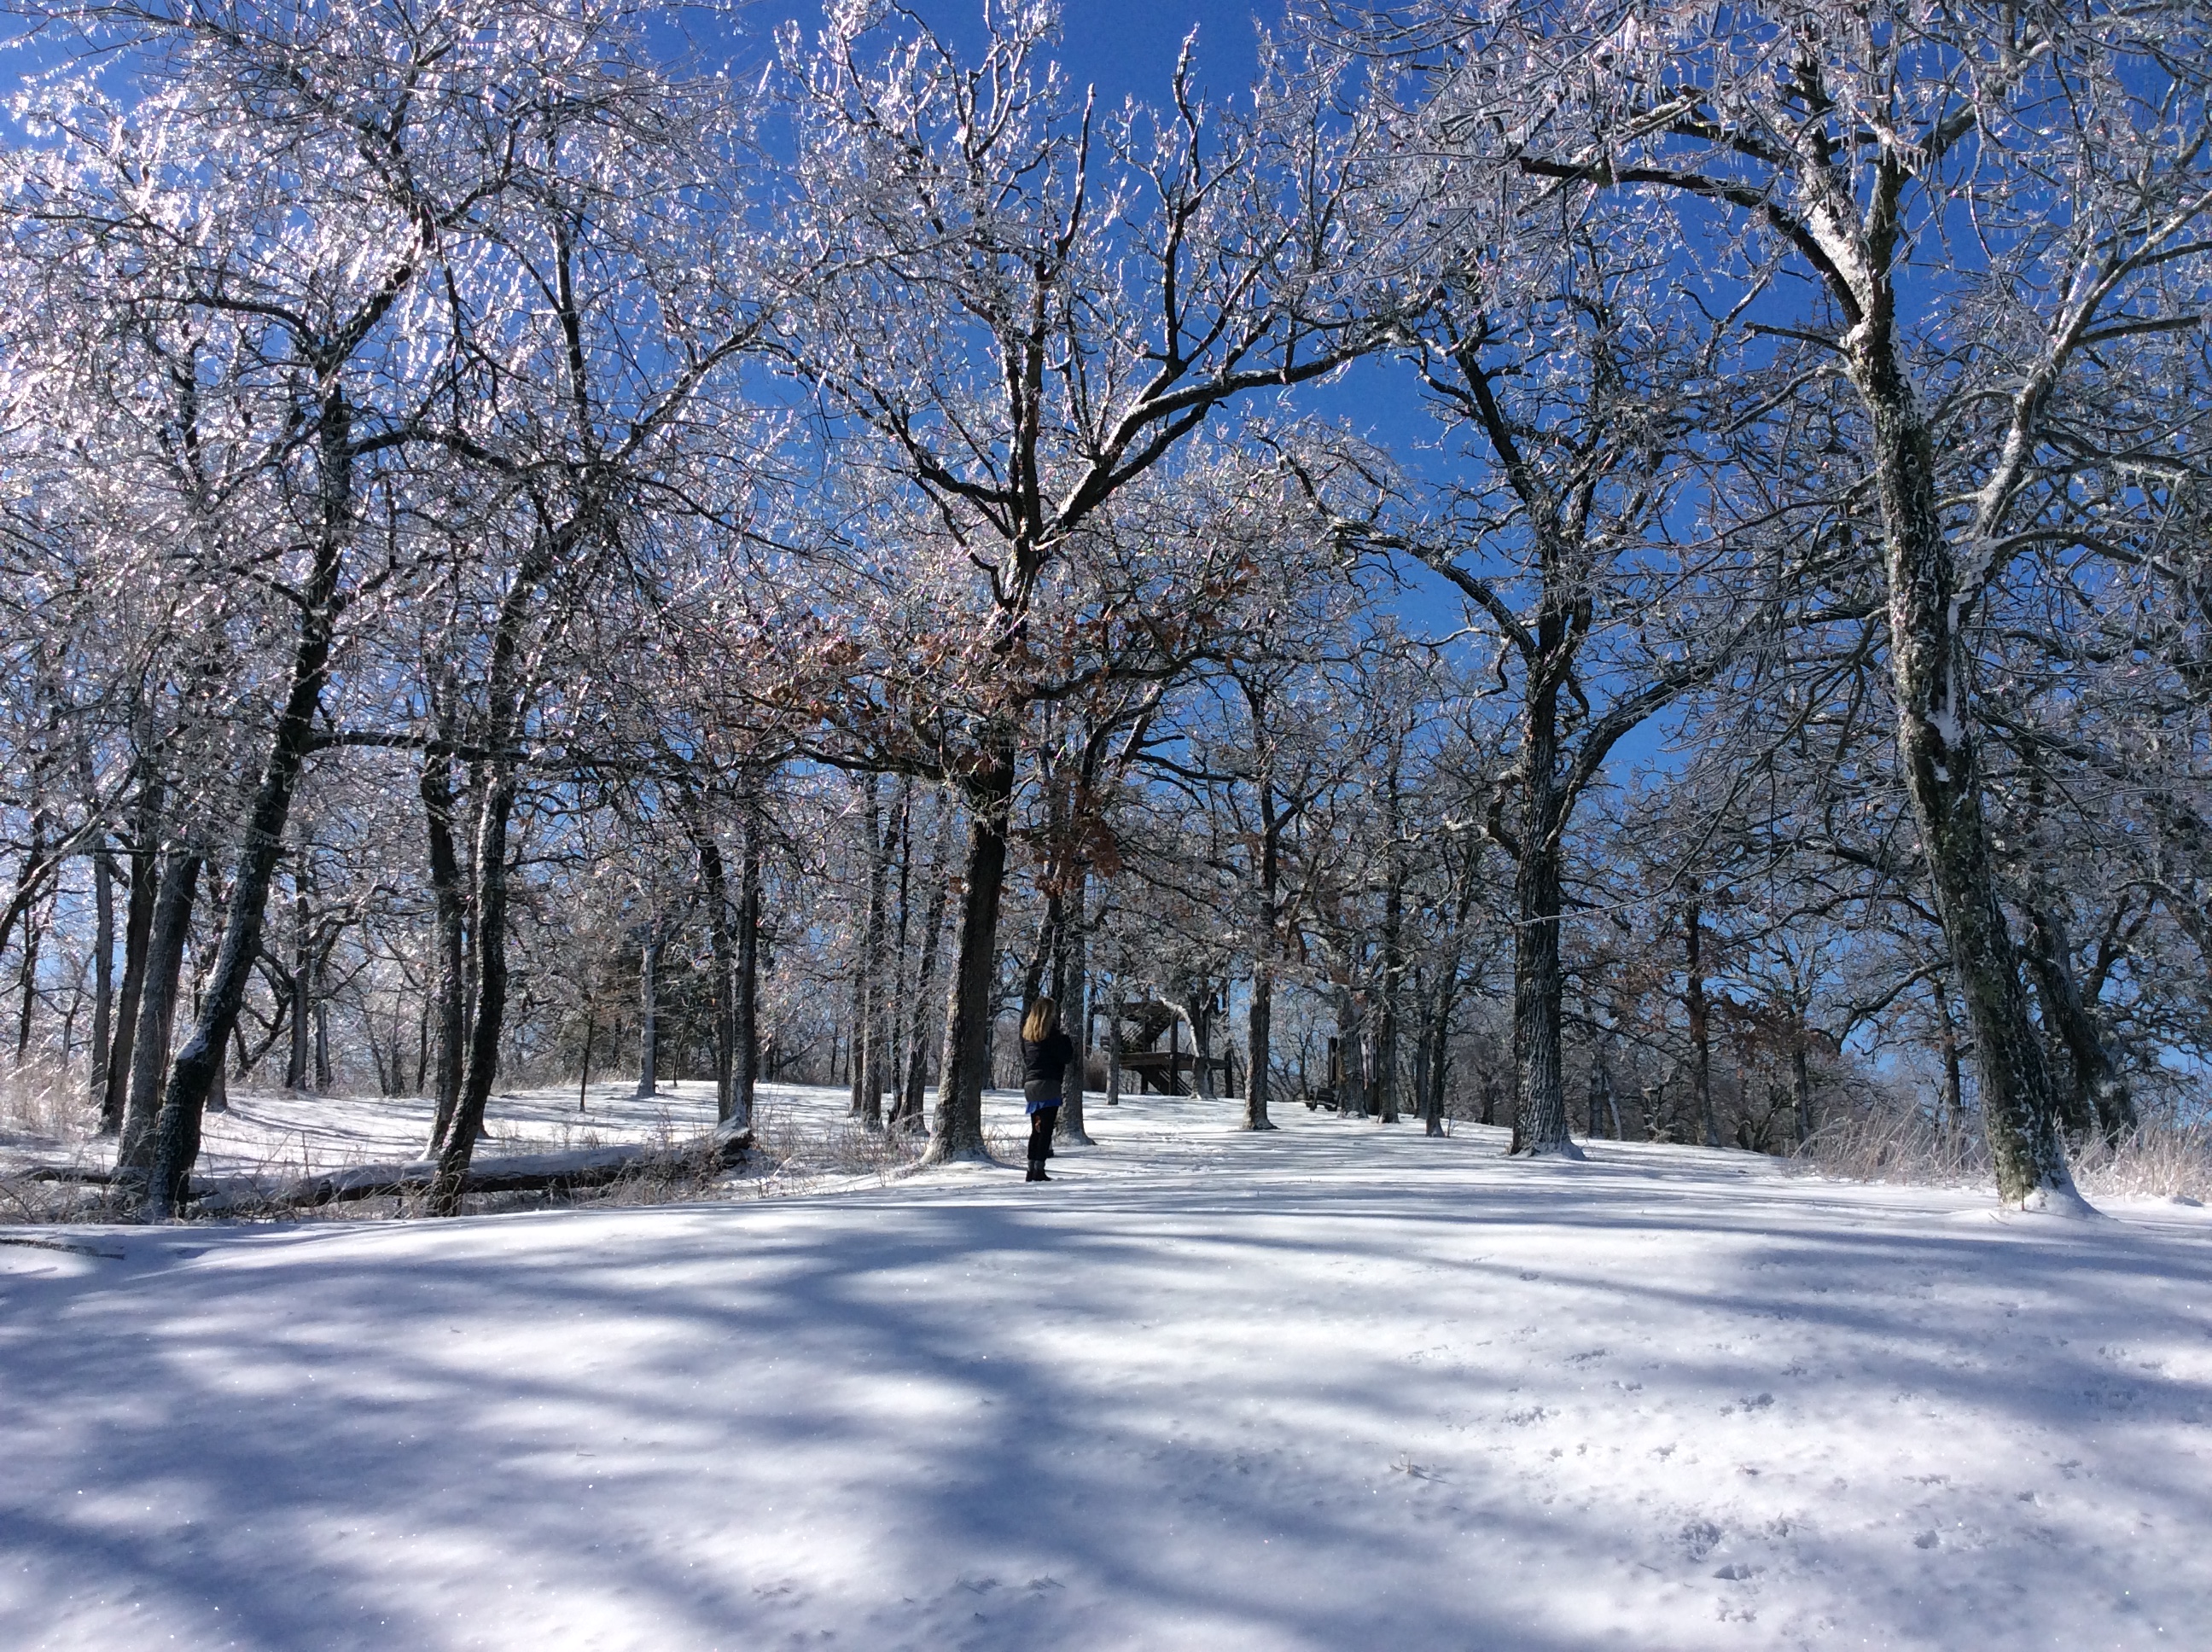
907 1113
1202 1040
648 1010
1942 777
303 986
1954 1086
584 1083
1074 990
33 933
137 932
1258 1045
103 972
1539 1108
903 986
1447 989
218 1099
1694 1000
2096 1079
157 1006
871 1066
1800 1079
962 1071
505 698
744 995
449 939
489 955
1394 939
1439 1042
194 1070
1113 1042
33 875
721 946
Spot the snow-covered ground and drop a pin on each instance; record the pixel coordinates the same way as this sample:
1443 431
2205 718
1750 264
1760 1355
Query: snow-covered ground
1339 1387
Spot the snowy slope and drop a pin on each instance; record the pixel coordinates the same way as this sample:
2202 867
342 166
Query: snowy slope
1341 1386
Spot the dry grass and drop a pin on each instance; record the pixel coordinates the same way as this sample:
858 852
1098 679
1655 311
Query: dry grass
793 1153
1897 1144
2164 1158
46 1103
43 1107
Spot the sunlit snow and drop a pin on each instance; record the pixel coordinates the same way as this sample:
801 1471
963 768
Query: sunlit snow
1339 1387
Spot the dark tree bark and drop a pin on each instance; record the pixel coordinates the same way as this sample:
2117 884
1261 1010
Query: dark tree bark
137 932
1941 766
1258 1045
296 1065
1437 1066
903 984
193 1073
157 1007
103 971
1394 941
722 948
1113 1042
33 861
1073 989
910 1109
1695 1002
218 916
648 1007
1258 1052
1801 1078
1540 1107
450 991
584 1083
745 1009
1469 884
488 952
2092 1077
870 1040
505 698
964 1069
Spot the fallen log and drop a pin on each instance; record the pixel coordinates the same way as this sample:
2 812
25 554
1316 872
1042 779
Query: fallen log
89 1176
563 1172
71 1246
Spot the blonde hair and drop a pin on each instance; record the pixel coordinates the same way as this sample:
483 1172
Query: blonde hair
1041 1022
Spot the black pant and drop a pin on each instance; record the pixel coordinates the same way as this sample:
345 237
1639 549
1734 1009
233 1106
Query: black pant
1041 1132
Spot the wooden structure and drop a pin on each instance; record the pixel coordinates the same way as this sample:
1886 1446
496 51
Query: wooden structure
1174 1071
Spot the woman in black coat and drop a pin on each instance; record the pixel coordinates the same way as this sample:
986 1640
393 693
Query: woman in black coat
1046 1052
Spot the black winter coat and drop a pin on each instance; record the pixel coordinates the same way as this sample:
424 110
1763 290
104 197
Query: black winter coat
1044 1065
